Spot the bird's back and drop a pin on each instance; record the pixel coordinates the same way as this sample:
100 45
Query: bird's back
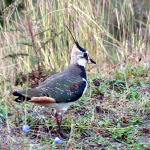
67 86
64 87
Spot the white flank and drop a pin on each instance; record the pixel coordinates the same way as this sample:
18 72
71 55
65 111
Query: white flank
85 87
60 106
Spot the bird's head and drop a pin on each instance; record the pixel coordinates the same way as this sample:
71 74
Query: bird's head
80 56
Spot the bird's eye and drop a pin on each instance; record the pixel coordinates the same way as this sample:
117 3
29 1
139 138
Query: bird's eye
85 54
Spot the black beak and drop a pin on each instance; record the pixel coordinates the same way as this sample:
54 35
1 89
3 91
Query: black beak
92 61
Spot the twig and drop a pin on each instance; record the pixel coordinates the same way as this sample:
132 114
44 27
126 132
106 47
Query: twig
98 128
49 40
8 66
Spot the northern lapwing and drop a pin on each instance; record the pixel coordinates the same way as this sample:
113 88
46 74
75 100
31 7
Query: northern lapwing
63 89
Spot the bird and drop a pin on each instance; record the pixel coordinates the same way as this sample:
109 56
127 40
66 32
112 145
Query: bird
63 89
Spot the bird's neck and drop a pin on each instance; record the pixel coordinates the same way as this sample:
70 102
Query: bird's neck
79 62
82 73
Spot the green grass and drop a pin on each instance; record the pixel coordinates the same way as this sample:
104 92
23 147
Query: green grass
114 112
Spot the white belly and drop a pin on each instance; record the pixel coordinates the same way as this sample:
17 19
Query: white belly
60 106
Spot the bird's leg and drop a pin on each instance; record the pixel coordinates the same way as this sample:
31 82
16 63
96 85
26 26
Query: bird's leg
58 119
59 125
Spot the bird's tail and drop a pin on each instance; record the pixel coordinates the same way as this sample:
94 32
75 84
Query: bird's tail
26 94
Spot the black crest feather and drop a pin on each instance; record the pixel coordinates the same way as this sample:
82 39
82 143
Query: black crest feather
77 44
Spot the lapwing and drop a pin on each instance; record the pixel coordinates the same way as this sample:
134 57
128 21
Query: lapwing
63 89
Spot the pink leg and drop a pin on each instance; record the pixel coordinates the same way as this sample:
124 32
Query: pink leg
58 119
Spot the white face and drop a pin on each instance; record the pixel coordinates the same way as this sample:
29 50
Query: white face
83 59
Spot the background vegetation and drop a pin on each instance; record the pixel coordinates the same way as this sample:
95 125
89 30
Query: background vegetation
114 113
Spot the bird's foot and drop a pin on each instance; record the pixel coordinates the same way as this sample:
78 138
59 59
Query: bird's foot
62 134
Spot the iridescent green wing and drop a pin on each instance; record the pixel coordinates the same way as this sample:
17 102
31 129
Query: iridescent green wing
64 89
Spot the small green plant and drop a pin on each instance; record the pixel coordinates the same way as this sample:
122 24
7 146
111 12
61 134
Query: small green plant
114 113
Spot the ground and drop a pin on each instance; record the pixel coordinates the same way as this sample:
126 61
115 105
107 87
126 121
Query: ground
113 114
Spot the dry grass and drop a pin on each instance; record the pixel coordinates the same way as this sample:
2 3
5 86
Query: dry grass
35 44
